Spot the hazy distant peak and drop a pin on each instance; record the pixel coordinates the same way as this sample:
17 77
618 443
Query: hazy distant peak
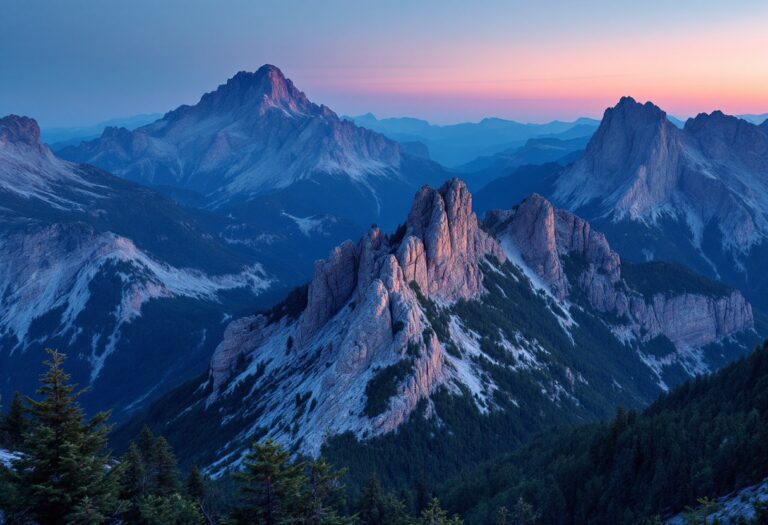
19 130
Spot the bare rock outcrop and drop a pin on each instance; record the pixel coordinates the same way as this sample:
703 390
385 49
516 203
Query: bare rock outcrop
451 242
363 315
546 236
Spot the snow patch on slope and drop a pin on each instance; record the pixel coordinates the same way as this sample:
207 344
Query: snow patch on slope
35 173
563 316
306 225
51 271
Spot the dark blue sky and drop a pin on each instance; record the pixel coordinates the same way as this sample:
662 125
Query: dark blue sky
77 62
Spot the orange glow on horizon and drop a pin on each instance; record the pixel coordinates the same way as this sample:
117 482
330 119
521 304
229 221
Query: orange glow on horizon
714 67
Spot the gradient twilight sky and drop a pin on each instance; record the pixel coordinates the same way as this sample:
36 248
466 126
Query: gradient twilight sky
78 62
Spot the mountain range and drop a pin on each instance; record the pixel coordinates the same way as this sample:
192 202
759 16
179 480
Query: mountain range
522 322
256 146
61 137
123 278
292 178
598 265
456 145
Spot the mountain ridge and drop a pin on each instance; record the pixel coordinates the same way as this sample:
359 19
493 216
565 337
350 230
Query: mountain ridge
694 195
393 324
88 256
263 106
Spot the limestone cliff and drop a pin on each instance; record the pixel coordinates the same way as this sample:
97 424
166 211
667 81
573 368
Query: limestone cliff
364 313
547 236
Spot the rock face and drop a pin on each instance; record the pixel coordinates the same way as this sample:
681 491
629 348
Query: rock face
636 151
546 236
695 195
444 244
363 314
20 130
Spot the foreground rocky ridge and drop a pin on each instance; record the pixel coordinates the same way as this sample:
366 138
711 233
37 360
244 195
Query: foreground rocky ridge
498 315
363 313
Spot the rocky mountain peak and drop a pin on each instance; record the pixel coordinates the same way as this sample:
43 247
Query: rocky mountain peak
442 225
266 87
630 164
629 126
544 235
254 134
19 130
549 239
364 311
440 251
723 136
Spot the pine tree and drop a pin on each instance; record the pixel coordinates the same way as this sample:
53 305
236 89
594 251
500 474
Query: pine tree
63 471
133 485
423 499
166 472
14 424
134 482
270 486
146 444
195 485
435 515
377 508
370 507
523 513
323 495
168 510
502 516
87 513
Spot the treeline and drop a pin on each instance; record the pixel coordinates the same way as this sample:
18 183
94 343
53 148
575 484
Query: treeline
705 439
59 471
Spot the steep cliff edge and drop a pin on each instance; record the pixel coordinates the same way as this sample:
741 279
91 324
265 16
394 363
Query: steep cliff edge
363 314
551 240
